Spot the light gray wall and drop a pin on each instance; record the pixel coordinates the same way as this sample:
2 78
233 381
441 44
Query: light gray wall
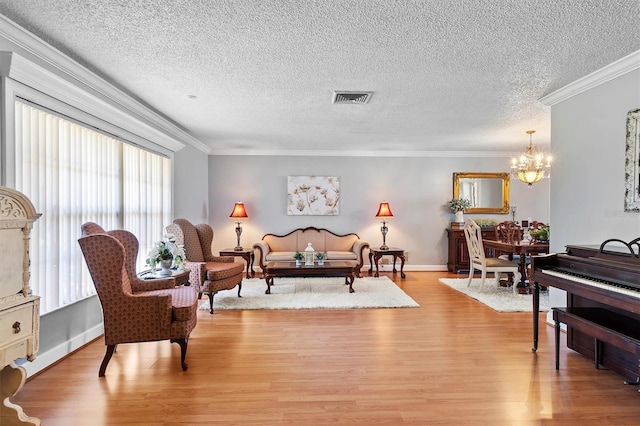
587 193
417 190
191 185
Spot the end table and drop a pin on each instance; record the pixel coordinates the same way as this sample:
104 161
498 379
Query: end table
179 276
245 253
375 253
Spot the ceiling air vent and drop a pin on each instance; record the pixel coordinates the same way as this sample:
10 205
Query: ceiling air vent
351 97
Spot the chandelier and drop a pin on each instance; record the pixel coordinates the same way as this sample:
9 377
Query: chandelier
531 167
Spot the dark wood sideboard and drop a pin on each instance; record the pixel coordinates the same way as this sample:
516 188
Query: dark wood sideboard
458 252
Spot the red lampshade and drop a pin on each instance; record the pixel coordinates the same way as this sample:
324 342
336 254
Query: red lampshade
384 211
238 212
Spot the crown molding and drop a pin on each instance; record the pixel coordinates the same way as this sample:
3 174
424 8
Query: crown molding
380 154
616 69
69 81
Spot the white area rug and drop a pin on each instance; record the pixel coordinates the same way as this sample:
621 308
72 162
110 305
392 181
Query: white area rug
501 299
313 293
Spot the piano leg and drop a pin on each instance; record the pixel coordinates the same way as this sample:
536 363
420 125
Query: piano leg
536 314
557 343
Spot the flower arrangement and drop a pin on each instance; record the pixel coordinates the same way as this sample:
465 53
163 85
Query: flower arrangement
459 204
166 249
321 255
298 256
541 234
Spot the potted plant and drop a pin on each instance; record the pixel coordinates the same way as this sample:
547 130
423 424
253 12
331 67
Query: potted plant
459 206
298 257
166 252
321 256
540 235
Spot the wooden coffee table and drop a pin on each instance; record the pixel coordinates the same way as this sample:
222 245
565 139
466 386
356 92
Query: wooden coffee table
330 267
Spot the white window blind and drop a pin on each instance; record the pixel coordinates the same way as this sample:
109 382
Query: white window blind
74 174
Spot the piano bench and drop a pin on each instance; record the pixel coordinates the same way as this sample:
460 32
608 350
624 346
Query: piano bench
604 325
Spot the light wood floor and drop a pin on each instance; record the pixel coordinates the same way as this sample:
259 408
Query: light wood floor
453 361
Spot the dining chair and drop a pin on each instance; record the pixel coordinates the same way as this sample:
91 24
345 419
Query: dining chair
479 261
509 232
536 225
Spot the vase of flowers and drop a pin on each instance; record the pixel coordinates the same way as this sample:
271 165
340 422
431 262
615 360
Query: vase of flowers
321 256
459 206
298 257
166 252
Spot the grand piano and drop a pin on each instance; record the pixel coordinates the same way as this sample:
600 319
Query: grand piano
603 299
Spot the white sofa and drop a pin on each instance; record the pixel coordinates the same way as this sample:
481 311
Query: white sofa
337 247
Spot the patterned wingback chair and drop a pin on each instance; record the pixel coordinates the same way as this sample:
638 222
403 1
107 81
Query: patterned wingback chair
131 246
158 312
209 273
90 228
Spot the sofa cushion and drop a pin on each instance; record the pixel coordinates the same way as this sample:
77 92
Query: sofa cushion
336 243
341 255
285 243
311 236
280 256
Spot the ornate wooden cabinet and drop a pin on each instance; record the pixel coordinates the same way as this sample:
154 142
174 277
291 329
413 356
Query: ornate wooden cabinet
458 252
19 309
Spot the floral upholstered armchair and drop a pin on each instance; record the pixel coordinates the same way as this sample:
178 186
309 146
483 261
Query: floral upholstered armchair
135 310
209 274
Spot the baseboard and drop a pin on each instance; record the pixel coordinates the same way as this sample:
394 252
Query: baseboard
47 359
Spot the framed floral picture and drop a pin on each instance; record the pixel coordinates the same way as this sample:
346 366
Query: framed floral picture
632 163
313 195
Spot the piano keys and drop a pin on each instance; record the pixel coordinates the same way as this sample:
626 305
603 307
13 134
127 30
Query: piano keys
605 277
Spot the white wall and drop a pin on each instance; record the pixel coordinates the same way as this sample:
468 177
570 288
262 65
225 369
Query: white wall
417 190
588 134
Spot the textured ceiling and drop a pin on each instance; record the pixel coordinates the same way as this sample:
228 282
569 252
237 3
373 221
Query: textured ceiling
445 75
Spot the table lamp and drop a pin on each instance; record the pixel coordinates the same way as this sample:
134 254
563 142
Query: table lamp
239 213
384 214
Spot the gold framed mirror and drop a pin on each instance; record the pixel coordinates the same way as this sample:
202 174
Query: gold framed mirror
488 192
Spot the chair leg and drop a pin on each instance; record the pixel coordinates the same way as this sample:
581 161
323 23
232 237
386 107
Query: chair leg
483 277
183 351
516 281
471 271
107 357
239 288
210 302
497 276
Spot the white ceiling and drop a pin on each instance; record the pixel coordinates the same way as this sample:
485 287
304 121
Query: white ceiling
445 75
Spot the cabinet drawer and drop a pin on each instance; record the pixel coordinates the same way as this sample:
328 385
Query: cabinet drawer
13 352
20 314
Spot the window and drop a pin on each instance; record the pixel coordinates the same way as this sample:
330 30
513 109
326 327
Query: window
74 174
